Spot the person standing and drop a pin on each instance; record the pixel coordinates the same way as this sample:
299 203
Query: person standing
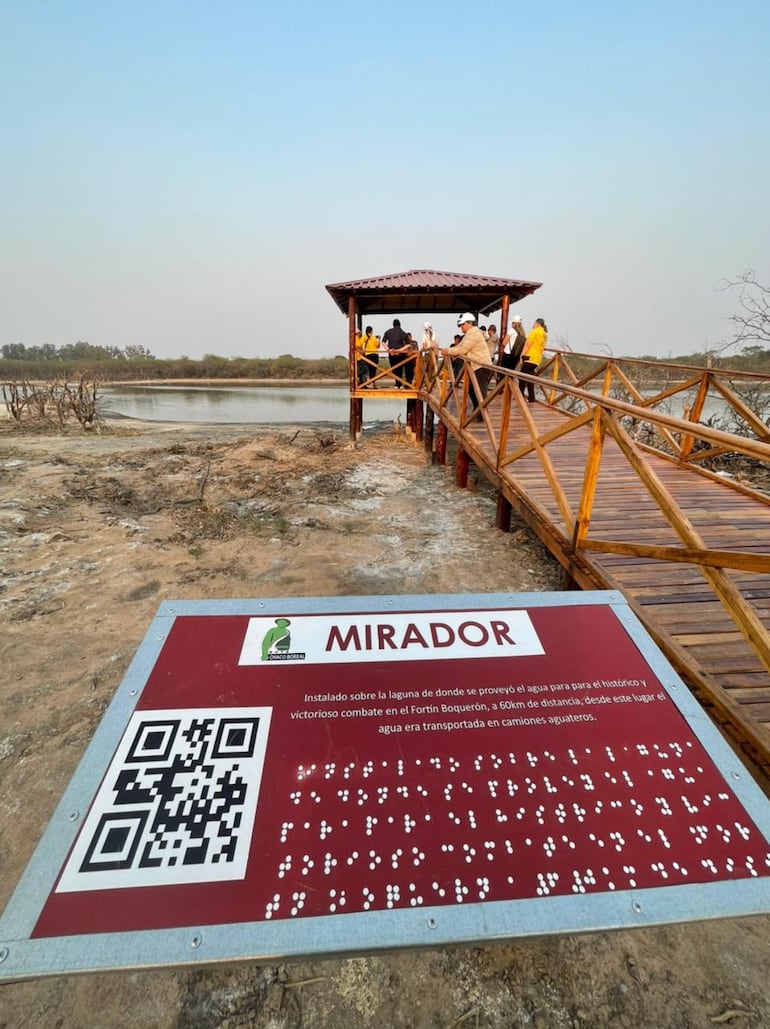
429 337
513 344
472 346
371 350
360 363
457 365
410 366
492 342
429 348
532 356
395 340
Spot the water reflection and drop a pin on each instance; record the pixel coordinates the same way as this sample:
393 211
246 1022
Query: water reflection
236 404
294 403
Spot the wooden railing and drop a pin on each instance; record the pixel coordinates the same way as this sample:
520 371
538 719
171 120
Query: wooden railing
744 397
646 415
602 417
383 370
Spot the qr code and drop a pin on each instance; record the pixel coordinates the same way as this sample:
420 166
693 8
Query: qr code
177 804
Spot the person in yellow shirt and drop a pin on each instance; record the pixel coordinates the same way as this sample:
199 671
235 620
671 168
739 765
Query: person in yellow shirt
371 350
361 369
532 355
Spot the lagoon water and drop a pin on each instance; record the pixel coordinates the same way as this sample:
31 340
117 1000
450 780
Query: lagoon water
293 403
275 405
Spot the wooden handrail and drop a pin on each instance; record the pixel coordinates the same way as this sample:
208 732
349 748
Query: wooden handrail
662 366
718 437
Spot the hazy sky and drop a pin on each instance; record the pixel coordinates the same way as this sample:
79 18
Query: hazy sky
189 176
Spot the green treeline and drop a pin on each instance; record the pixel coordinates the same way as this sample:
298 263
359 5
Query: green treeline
111 364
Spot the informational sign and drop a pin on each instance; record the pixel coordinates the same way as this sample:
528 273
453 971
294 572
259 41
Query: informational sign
301 777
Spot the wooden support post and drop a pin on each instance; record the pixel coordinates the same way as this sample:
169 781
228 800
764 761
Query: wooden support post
418 405
503 326
427 438
503 513
461 468
418 420
355 412
359 416
355 416
410 416
568 582
441 444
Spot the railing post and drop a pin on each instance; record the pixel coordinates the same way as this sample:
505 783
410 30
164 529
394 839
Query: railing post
505 418
694 415
466 380
554 378
590 478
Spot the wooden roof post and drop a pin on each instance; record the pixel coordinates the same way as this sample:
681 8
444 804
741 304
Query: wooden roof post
503 325
352 341
352 369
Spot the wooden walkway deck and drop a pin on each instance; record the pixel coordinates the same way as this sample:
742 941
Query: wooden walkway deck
591 495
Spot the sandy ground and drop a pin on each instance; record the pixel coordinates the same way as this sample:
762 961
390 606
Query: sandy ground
97 530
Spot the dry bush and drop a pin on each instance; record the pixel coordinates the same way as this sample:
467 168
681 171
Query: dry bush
53 401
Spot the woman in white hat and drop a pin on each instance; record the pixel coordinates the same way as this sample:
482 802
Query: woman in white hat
429 337
513 344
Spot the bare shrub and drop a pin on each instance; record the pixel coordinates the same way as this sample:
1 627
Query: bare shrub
53 401
15 397
82 397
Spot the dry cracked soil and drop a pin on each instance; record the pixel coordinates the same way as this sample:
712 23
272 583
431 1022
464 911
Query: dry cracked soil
97 530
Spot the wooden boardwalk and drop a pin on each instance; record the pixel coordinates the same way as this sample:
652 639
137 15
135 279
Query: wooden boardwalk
618 518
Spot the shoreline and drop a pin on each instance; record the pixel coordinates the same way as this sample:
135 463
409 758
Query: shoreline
209 383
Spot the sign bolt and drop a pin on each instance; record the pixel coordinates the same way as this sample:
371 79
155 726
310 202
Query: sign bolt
4 952
431 923
73 816
196 941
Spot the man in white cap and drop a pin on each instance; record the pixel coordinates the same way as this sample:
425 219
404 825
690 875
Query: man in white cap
472 346
513 344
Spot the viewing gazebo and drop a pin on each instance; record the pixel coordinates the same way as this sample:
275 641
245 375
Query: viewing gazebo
422 292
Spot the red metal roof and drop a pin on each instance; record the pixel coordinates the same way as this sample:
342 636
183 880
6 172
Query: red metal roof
426 291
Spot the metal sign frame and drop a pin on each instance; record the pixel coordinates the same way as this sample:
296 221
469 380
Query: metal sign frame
353 933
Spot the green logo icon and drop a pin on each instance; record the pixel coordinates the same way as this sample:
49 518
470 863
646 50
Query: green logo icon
276 640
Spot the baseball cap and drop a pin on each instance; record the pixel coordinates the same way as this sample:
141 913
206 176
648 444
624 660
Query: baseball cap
427 325
516 318
467 317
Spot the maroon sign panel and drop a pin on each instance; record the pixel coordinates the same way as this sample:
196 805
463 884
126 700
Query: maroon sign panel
302 765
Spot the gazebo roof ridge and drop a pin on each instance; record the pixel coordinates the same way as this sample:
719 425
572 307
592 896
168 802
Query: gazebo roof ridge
425 290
